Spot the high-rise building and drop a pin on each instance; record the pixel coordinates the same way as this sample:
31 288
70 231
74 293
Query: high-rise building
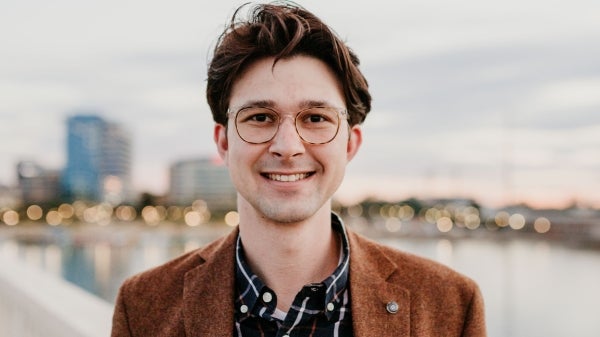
98 160
202 179
116 165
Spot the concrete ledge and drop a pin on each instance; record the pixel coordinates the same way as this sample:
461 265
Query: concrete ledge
34 303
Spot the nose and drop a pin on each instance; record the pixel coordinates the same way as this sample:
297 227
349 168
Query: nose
287 142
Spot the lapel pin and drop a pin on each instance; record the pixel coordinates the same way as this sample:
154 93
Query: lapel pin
392 307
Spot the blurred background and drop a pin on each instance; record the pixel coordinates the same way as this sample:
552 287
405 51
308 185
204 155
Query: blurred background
482 150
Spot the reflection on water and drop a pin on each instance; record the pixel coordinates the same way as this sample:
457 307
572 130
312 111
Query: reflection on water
531 288
100 266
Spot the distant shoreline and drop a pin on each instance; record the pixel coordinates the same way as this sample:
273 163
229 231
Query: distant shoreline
128 233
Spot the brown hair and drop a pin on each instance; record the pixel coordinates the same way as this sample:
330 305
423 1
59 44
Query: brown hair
282 30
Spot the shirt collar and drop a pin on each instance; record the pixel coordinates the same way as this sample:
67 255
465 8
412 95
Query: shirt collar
250 287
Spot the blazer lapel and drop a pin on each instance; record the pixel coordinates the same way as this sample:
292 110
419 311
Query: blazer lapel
379 308
208 293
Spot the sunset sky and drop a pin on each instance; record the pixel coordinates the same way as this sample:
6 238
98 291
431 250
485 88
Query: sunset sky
496 101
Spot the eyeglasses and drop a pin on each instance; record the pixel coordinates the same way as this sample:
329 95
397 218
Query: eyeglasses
314 125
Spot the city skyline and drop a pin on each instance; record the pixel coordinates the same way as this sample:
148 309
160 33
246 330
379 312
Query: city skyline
495 102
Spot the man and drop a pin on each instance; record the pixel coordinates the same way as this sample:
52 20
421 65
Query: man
288 99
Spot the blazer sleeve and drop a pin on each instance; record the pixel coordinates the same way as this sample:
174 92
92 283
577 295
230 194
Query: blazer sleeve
120 323
474 325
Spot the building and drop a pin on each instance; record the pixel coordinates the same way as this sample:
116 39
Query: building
38 185
98 161
9 197
116 165
202 179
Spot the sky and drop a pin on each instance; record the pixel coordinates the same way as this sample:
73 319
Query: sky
495 101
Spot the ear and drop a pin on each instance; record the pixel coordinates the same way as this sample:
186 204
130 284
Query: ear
220 137
354 141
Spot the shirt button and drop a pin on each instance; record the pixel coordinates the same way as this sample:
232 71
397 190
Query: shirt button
267 297
244 309
330 306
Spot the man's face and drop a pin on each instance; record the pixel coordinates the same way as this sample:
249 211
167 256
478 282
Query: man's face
286 180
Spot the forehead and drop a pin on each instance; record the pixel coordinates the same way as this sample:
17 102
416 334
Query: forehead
289 83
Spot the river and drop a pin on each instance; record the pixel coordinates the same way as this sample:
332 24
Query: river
531 287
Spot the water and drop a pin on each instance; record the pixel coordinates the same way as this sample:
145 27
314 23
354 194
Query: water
531 287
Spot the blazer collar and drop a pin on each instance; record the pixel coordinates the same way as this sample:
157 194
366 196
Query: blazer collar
379 307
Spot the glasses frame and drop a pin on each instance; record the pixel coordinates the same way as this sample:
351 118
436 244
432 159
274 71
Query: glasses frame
342 114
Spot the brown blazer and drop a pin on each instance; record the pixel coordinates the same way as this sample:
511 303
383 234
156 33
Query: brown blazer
193 295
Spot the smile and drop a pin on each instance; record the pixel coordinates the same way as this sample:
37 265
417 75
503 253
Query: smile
287 177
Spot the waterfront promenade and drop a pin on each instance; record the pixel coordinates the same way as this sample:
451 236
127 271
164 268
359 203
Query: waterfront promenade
34 303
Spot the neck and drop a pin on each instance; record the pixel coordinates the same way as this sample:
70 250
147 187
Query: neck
287 256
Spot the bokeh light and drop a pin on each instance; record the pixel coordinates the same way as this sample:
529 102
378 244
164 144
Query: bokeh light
405 212
501 219
66 211
232 218
432 215
53 218
193 218
472 221
151 215
125 213
34 212
542 225
355 211
444 224
516 221
10 218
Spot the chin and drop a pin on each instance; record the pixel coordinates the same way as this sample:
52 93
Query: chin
291 214
287 217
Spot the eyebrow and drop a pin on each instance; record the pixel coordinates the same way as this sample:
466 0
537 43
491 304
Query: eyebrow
258 103
309 103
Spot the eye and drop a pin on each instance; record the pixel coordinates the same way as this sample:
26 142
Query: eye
314 118
256 116
259 118
318 116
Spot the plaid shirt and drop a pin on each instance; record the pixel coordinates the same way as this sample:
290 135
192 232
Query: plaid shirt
319 309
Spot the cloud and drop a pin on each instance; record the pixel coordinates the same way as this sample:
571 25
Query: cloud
534 85
564 103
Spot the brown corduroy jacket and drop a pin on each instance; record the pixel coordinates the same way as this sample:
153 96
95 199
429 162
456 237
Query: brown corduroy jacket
193 295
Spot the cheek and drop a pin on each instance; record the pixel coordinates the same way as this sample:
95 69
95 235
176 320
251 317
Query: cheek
237 170
335 157
241 157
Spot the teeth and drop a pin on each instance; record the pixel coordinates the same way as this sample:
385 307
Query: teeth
288 177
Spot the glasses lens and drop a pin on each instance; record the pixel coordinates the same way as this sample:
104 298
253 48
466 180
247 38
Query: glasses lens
318 125
257 125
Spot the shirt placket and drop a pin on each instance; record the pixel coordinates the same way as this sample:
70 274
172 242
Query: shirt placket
307 305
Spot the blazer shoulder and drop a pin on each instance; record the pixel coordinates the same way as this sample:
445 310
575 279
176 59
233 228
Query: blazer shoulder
153 302
411 269
174 271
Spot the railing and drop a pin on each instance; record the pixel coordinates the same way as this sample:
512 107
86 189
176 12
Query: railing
34 303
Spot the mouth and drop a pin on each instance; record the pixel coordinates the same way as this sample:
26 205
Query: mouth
287 177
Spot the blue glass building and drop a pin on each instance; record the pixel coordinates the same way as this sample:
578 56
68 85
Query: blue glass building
98 160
